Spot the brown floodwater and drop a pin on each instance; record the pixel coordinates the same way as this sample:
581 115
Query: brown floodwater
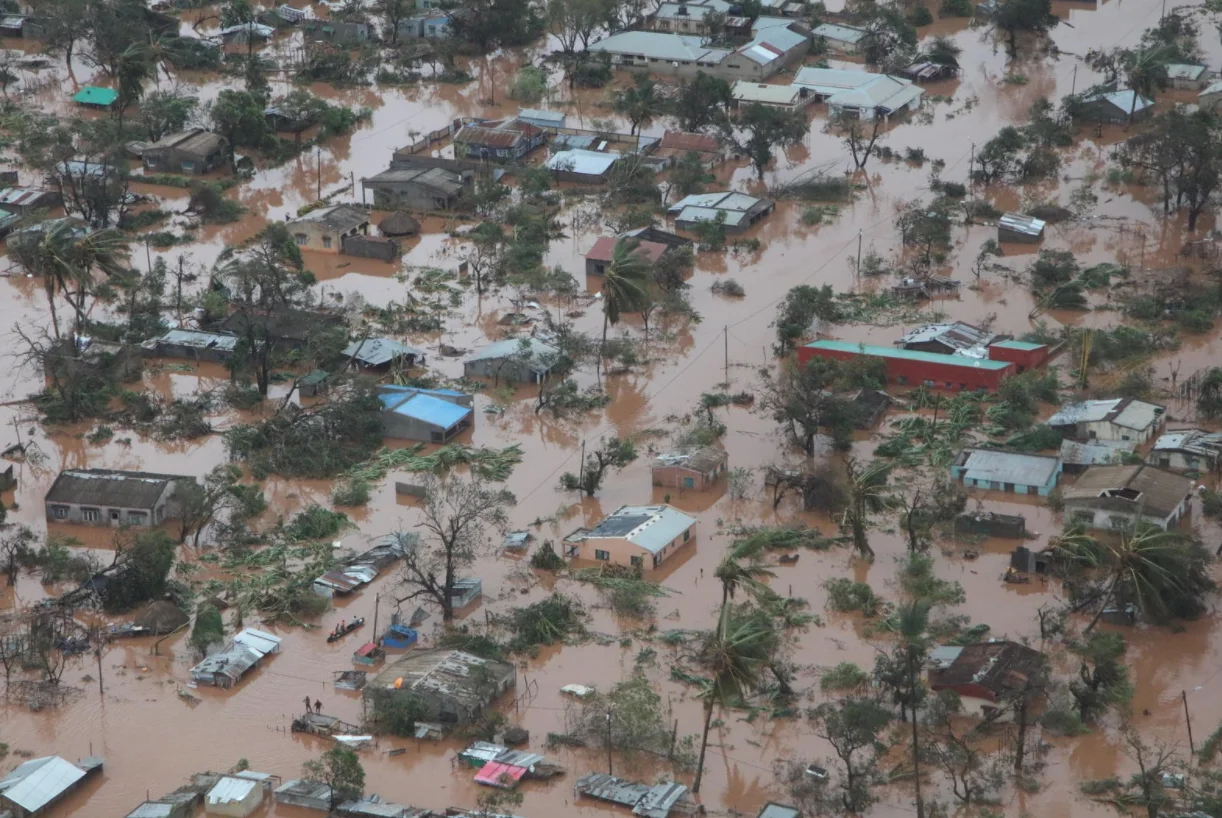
153 740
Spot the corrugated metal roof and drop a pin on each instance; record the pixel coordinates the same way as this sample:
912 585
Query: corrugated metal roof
380 351
772 810
660 46
1098 453
199 339
1090 411
910 354
826 81
709 214
658 801
433 411
535 116
539 353
652 527
1154 490
1017 222
1023 346
990 465
1182 71
1190 440
1123 100
40 781
1138 415
230 789
844 34
109 487
745 91
604 249
337 217
22 196
257 640
956 335
587 163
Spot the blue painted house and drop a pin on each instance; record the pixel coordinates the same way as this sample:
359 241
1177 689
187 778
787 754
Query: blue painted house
1010 472
426 415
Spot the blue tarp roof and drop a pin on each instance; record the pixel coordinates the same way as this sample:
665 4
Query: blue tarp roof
434 411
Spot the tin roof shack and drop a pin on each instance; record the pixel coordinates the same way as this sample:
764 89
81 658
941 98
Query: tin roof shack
1020 228
1077 457
788 97
453 686
1115 419
1186 77
226 668
305 794
1007 471
542 119
655 801
658 235
193 151
372 806
1209 98
581 166
499 139
39 783
111 497
178 804
25 200
287 328
1187 450
1117 496
912 367
739 210
365 567
193 345
1026 561
383 353
515 360
639 536
428 25
93 97
603 253
427 415
991 524
1023 354
419 188
677 144
985 675
870 405
1112 107
948 339
243 33
324 230
841 39
694 470
343 33
237 795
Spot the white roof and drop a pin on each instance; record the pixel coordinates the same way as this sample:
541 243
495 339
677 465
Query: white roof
830 80
660 46
1090 411
540 353
580 691
891 93
260 641
1181 71
40 781
231 789
744 91
1138 415
655 528
692 11
771 43
845 34
724 200
1212 88
709 214
590 163
1123 100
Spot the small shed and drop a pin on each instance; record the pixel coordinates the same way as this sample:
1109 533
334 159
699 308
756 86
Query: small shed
542 119
1030 562
325 228
12 25
313 384
193 345
426 415
38 783
603 253
1019 228
466 590
585 167
1023 354
234 797
1186 77
93 97
380 353
694 470
515 360
991 524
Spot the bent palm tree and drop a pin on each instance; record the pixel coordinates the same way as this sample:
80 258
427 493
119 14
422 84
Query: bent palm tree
868 494
911 625
742 569
625 285
735 657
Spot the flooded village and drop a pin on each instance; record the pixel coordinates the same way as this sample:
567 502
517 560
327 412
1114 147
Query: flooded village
509 408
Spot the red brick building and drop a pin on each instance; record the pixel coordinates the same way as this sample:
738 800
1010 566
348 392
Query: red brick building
1022 354
913 368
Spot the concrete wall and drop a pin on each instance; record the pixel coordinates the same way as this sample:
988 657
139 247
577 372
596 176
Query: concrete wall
172 160
1181 461
1106 430
409 195
163 510
621 552
1109 519
681 477
402 427
504 369
320 238
1042 491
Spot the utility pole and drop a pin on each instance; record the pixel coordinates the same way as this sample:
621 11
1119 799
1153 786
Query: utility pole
1074 85
581 468
377 598
609 769
318 155
726 338
971 165
1187 718
857 269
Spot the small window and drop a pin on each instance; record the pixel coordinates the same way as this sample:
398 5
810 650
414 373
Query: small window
90 515
137 518
602 555
301 238
114 515
637 562
326 242
687 535
59 512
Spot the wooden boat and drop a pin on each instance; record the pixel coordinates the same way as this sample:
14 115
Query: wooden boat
348 628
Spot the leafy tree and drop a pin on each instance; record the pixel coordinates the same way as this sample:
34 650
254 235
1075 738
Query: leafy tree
733 659
800 307
576 21
1145 72
703 102
612 454
164 112
219 495
638 103
236 13
960 753
1181 152
340 769
209 628
64 24
901 672
890 40
761 129
238 115
484 253
688 175
625 283
800 398
1103 679
852 727
458 516
943 50
117 33
1209 394
139 573
742 569
491 24
1015 17
393 12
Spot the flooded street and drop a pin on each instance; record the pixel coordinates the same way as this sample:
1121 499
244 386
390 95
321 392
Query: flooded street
153 739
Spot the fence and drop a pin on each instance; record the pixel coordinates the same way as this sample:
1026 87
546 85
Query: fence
377 247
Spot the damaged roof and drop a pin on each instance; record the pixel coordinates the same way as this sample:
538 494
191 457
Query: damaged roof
462 676
704 459
381 351
1127 488
648 802
650 527
604 249
998 667
1128 413
110 487
339 218
1193 441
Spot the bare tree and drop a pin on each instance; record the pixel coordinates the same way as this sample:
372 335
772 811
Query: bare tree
859 136
458 515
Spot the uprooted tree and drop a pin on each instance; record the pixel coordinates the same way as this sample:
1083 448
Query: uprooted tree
613 453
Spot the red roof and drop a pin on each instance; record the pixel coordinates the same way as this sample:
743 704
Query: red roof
495 774
367 649
683 141
604 249
497 133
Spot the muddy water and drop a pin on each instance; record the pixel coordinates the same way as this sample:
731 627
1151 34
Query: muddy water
152 739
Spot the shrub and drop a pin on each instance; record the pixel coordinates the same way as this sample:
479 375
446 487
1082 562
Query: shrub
844 676
352 492
955 8
847 595
209 628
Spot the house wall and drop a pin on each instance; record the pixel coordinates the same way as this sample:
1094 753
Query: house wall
1106 430
733 67
1178 461
192 353
503 369
958 473
409 195
156 514
238 809
619 551
1023 359
1185 84
1110 518
172 160
835 46
1208 102
402 427
322 239
681 477
910 372
1004 234
596 267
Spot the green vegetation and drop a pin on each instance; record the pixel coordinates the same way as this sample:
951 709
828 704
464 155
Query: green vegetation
543 623
209 628
844 676
846 595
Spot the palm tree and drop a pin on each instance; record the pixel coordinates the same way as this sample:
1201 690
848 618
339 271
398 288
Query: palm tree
868 494
639 103
1164 574
1145 72
911 625
735 657
742 569
625 284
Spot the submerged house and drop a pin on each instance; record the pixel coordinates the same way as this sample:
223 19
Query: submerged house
237 795
1011 472
1113 107
304 794
581 166
454 687
1186 450
1077 457
603 253
638 536
500 139
25 200
862 94
1019 228
325 229
382 353
418 188
193 345
738 211
1118 496
646 801
1115 419
841 39
1186 77
227 667
426 415
694 469
38 783
193 151
113 498
515 360
914 367
987 675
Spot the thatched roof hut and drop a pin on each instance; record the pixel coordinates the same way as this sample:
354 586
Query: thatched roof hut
398 224
161 617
